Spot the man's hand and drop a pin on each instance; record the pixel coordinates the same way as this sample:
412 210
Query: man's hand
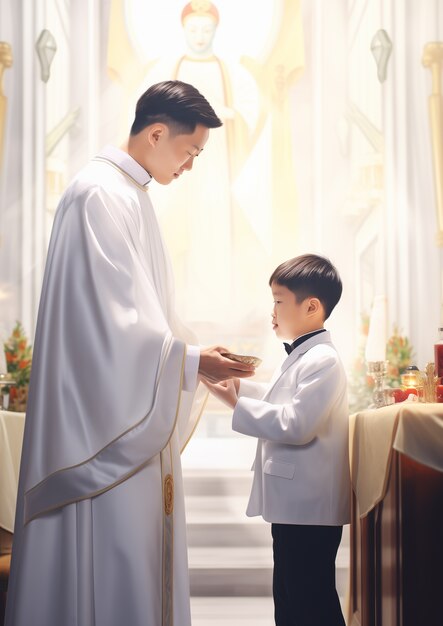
226 391
215 367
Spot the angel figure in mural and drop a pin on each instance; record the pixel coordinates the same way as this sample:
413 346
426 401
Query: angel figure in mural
241 205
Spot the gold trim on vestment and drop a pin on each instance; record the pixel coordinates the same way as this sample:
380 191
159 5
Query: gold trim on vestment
196 423
122 171
167 471
42 482
168 494
126 476
167 491
88 496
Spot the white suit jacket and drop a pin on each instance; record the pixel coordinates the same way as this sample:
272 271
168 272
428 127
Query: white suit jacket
301 469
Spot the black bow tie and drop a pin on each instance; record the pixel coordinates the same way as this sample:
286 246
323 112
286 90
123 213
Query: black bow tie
289 347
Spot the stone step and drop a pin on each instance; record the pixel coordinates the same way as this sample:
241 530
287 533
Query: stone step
213 482
245 558
235 571
235 535
230 571
217 509
220 454
237 611
230 554
222 521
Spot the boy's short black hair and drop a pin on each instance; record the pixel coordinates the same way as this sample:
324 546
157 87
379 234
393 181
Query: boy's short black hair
310 275
178 105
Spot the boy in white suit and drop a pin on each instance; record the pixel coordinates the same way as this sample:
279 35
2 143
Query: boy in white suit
301 481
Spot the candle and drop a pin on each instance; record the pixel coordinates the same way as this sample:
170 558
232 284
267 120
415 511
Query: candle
438 354
409 380
411 377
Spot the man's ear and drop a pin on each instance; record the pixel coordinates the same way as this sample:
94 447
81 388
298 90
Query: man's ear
155 133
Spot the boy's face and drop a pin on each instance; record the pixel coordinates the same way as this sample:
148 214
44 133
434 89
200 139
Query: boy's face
290 318
173 154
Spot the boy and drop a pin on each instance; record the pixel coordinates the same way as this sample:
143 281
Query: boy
301 471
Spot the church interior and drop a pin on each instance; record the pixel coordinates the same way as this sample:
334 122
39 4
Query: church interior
332 144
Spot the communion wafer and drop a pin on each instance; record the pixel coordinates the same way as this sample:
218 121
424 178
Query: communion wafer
243 358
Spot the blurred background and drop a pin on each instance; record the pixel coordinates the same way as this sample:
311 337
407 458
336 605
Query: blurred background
332 144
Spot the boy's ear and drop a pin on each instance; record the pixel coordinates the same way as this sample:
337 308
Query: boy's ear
314 306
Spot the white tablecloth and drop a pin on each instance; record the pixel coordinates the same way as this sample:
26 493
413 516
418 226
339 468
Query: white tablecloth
412 428
11 438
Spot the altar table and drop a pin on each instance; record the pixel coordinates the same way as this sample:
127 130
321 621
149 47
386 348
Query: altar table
397 516
11 438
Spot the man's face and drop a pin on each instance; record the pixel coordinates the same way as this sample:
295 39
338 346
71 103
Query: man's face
288 315
174 154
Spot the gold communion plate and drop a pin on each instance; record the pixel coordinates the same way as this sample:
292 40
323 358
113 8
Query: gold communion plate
243 358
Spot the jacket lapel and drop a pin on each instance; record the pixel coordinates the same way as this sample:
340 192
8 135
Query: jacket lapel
295 355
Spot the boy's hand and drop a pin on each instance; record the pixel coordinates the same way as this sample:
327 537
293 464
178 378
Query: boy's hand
215 367
226 390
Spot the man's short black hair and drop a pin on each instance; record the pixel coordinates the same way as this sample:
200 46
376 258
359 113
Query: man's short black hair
178 105
310 275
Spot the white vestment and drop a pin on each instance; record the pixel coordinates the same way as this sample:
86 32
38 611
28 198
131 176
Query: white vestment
100 536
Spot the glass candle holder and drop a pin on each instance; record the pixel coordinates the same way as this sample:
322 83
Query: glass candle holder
6 381
378 370
412 381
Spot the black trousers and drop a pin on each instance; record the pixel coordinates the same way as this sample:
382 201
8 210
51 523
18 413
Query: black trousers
304 575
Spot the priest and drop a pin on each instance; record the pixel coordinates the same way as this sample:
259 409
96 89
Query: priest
100 525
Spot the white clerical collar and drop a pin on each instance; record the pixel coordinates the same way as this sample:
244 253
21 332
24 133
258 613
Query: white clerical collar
125 162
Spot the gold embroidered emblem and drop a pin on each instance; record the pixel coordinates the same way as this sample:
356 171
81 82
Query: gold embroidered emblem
168 493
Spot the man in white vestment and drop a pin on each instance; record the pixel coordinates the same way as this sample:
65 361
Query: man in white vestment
100 526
